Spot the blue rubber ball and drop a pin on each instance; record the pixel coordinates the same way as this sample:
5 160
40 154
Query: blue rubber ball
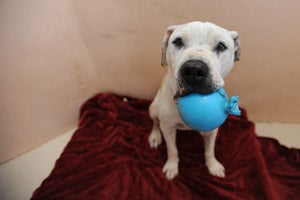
207 112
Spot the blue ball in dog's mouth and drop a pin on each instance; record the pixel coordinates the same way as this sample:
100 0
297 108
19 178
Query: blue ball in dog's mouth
207 112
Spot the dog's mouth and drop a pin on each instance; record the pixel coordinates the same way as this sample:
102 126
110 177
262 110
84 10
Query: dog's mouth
186 89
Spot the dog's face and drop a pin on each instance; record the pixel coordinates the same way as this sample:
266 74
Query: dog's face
199 56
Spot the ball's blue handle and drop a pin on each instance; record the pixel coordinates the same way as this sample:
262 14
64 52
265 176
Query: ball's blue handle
233 106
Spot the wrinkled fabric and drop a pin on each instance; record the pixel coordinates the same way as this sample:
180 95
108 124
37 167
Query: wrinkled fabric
109 157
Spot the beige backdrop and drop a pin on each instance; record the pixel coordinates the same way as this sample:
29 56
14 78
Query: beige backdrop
56 54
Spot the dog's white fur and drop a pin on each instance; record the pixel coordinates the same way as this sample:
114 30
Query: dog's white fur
200 39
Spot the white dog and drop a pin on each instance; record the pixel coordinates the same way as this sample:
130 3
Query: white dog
198 55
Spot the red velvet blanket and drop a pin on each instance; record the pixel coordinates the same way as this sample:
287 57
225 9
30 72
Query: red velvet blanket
109 157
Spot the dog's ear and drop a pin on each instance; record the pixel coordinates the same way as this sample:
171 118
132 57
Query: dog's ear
236 40
165 42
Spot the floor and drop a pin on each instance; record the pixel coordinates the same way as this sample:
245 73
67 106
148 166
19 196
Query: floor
21 176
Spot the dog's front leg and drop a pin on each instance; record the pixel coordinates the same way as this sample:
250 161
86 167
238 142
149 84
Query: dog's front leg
213 165
171 166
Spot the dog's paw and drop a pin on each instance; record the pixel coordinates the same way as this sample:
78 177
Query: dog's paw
154 139
215 168
170 169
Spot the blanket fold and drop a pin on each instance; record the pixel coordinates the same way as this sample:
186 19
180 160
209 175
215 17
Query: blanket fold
108 157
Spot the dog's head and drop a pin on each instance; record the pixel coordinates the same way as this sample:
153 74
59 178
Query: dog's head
199 55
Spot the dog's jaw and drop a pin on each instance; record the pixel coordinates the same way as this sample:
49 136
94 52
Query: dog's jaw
183 91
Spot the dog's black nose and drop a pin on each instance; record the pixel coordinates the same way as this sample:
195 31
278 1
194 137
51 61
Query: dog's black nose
194 70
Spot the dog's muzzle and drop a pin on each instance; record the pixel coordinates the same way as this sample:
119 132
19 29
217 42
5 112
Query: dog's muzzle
195 76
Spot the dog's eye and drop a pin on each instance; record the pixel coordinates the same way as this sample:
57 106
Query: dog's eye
178 42
220 47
